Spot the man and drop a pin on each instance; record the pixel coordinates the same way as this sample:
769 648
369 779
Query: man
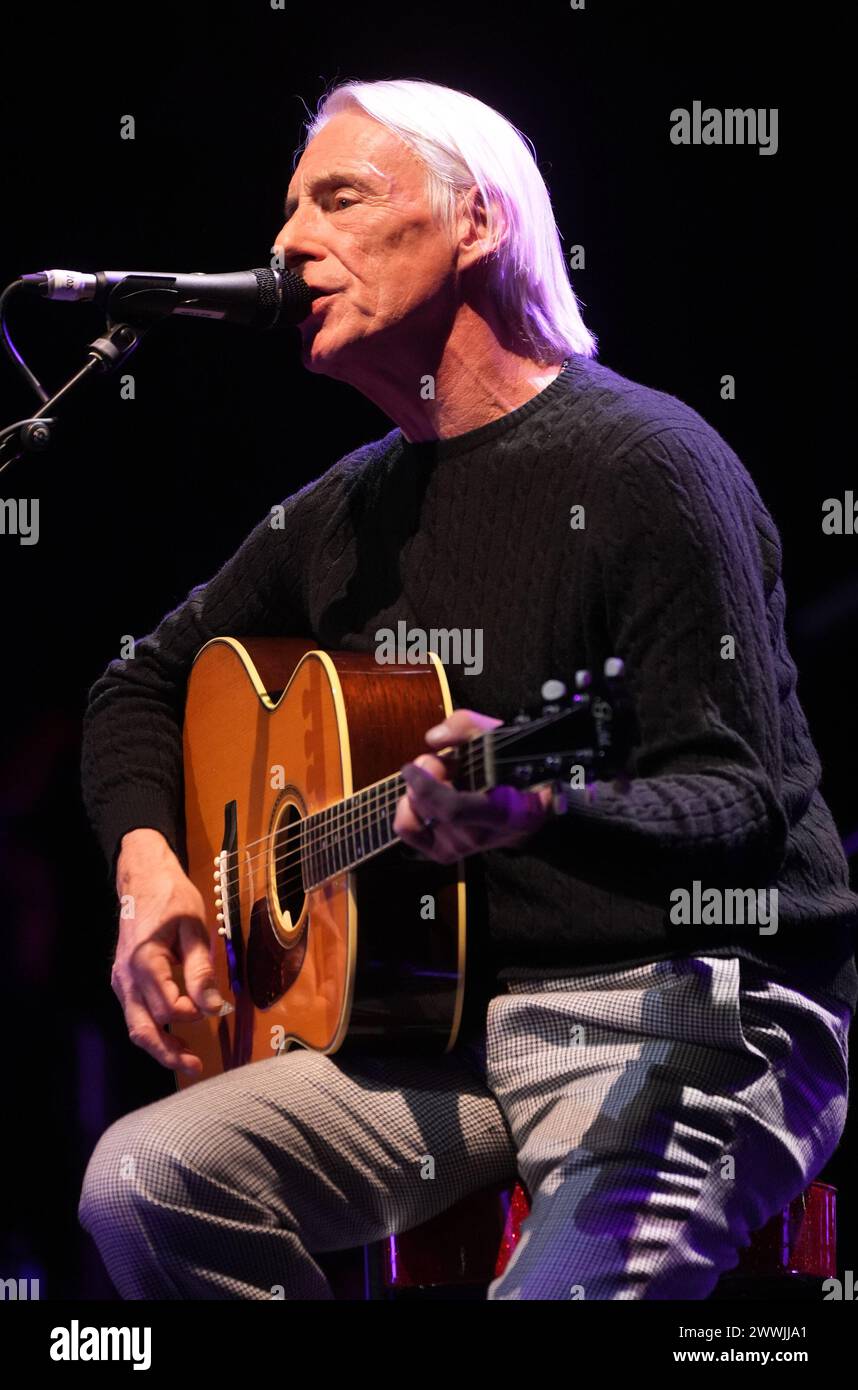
662 1082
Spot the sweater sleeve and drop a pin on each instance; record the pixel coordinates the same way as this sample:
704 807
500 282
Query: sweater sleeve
131 763
683 558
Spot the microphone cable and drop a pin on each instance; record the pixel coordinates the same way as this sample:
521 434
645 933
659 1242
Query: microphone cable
12 352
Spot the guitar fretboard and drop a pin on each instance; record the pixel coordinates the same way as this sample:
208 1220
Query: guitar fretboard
352 830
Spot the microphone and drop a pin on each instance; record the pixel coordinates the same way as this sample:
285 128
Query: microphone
257 298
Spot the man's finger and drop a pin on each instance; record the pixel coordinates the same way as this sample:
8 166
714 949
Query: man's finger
165 1001
152 973
434 766
198 968
171 1051
431 799
520 812
459 726
466 819
408 827
429 796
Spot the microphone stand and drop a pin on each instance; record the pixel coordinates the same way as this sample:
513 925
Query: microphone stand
106 354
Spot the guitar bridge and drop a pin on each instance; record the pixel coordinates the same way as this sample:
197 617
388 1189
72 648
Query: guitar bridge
227 901
222 886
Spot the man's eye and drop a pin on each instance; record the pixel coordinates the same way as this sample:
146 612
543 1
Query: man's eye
341 198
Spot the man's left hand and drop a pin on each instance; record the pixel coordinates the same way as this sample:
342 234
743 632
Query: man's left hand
462 823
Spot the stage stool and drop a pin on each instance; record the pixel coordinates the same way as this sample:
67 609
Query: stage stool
471 1243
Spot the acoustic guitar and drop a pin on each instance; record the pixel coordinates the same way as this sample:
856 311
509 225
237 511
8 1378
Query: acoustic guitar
326 931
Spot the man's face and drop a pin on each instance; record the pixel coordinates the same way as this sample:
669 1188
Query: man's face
358 223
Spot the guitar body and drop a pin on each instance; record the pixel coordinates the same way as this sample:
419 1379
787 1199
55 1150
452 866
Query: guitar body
371 959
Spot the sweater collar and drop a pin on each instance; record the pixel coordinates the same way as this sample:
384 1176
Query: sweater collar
434 450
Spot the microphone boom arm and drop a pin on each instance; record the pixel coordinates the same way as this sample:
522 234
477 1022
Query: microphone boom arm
106 353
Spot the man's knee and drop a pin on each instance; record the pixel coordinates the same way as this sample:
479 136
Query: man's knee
136 1163
200 1150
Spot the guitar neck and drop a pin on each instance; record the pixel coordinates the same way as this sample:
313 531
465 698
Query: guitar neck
347 833
593 731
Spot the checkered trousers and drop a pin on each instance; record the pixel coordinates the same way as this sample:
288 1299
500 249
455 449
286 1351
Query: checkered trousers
658 1115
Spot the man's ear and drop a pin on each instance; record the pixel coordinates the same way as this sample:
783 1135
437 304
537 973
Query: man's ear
476 241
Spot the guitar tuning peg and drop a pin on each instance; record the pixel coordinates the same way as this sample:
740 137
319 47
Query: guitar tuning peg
614 667
522 717
583 679
552 691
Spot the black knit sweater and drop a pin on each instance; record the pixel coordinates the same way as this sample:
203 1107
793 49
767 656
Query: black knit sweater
676 553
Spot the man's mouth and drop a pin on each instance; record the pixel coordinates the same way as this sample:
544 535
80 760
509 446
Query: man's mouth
319 299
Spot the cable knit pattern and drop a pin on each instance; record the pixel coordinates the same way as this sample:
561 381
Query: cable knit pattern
677 553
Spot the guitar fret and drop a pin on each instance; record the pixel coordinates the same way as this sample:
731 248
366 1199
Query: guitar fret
317 848
478 760
307 855
302 853
345 835
380 814
327 858
339 840
374 822
390 808
335 844
320 848
307 851
363 824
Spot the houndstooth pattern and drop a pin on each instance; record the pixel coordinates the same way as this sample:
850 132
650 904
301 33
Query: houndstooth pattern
658 1115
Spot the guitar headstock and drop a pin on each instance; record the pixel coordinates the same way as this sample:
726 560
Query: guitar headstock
571 738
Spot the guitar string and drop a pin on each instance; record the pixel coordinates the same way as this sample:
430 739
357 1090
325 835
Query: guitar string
344 812
502 739
343 827
294 880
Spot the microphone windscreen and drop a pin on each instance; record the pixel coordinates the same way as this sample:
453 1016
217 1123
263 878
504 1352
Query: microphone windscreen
296 297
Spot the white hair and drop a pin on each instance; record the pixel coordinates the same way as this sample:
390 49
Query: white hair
463 142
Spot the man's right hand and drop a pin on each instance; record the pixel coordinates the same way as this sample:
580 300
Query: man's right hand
166 928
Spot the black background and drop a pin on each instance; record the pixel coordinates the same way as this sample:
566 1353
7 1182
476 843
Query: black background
701 261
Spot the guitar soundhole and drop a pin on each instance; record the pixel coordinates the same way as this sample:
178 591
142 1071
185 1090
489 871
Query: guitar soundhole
286 885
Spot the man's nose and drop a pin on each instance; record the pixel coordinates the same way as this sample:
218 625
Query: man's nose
296 244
